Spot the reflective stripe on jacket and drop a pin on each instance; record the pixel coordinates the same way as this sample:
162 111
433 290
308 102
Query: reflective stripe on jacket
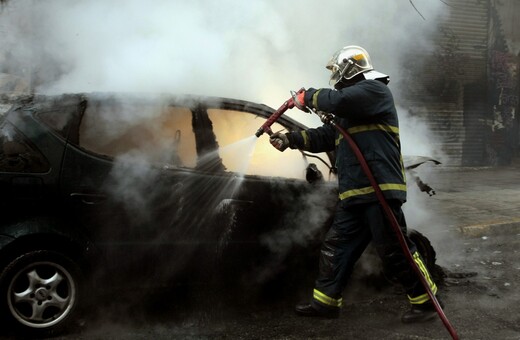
367 111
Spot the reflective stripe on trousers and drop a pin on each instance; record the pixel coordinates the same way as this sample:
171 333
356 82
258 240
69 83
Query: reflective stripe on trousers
423 297
327 300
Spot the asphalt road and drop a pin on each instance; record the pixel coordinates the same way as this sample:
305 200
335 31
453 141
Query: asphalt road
481 294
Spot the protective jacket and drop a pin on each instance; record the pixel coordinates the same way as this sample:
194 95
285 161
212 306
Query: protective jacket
366 110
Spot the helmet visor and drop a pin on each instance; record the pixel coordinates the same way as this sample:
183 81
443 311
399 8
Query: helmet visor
347 63
335 76
333 66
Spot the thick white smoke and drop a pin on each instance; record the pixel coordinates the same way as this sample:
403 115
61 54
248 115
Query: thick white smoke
255 50
252 50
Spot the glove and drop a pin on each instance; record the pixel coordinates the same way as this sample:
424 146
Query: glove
279 141
299 100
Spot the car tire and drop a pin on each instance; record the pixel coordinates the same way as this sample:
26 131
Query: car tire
40 292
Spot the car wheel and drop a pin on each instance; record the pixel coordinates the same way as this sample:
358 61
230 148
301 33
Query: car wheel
40 291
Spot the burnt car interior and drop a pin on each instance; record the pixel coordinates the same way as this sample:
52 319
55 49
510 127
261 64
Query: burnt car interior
194 135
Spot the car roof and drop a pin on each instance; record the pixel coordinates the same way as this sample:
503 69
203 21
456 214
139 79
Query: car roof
41 102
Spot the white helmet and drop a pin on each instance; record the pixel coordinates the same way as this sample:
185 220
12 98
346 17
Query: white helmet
350 61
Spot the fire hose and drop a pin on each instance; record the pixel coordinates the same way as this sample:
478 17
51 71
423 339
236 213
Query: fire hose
289 104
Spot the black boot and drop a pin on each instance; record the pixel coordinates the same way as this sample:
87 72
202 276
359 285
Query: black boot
306 309
421 312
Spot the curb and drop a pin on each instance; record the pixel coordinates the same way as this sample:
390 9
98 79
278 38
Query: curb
493 227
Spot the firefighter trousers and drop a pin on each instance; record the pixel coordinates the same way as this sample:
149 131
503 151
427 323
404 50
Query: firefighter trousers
352 230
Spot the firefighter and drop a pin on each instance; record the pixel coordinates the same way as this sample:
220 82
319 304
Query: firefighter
363 105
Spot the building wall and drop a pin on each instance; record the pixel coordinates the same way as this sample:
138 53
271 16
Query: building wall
503 80
469 85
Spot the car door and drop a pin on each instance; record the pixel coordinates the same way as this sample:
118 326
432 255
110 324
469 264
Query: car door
30 164
136 182
274 210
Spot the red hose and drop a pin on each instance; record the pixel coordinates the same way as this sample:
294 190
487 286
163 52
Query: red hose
397 229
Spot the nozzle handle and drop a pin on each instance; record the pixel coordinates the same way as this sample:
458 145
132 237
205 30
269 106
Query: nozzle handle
266 127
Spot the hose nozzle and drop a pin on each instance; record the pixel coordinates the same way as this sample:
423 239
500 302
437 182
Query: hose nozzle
261 131
266 127
288 104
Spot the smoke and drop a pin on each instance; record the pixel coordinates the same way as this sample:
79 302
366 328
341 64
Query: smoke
256 51
304 219
251 50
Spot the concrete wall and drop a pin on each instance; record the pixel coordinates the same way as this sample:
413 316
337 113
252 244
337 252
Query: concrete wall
469 85
503 80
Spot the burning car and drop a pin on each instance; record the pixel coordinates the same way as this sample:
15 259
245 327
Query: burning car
120 190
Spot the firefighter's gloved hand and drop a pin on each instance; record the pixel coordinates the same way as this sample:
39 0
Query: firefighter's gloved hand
326 118
279 141
299 100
